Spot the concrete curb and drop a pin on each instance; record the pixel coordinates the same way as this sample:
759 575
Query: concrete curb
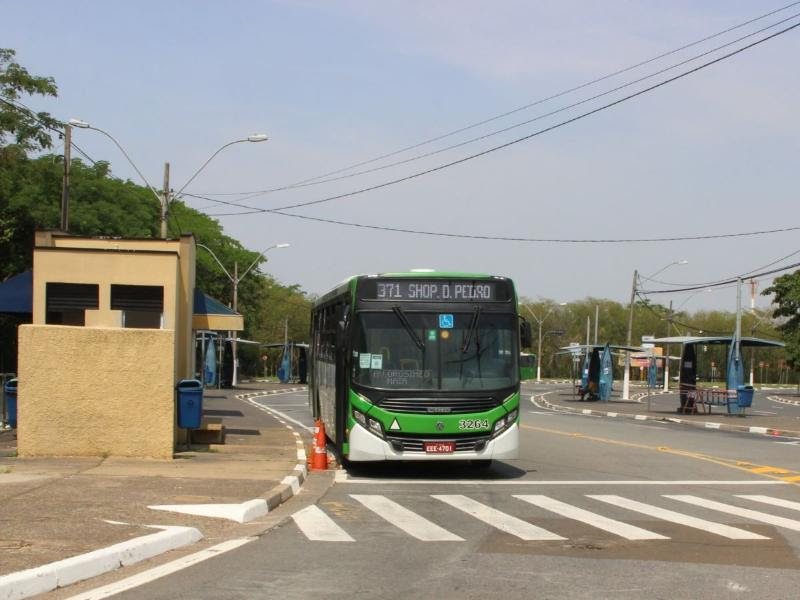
291 484
45 578
701 424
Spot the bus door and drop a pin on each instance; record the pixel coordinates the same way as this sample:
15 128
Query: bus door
342 345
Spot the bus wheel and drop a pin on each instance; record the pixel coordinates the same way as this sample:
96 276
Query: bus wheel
482 464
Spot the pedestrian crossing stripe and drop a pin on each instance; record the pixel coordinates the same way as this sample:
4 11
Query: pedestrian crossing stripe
316 525
629 532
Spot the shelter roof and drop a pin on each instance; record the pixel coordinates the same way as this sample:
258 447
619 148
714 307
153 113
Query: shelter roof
16 294
723 339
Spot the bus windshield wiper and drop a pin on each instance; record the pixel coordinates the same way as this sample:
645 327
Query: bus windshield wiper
472 327
412 334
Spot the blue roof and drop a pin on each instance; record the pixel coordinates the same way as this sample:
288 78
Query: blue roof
206 305
16 294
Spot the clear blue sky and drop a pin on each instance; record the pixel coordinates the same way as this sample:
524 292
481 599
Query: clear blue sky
334 83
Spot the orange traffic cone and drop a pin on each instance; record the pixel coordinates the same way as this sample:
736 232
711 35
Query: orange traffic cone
319 455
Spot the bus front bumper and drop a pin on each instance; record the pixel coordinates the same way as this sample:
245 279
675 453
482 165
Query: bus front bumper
364 446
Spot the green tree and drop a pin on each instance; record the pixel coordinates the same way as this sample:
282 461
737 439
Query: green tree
786 289
27 130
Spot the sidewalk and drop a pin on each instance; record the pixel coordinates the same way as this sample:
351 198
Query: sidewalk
55 508
664 406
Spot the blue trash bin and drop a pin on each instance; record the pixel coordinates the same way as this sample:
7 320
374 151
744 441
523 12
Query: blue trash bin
744 396
10 390
190 403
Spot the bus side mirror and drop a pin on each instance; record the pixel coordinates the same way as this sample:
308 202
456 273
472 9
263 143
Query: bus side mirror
525 335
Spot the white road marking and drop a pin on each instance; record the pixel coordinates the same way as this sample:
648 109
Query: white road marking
629 532
319 527
495 518
402 518
541 412
241 513
741 512
343 477
727 531
269 409
773 501
161 571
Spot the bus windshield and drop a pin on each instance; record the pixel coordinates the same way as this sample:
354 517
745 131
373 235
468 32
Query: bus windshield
468 350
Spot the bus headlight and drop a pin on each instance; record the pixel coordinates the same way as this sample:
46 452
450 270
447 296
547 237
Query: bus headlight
505 422
360 418
375 426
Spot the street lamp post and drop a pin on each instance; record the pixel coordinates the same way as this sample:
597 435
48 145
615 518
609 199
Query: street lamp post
626 382
166 196
235 279
540 322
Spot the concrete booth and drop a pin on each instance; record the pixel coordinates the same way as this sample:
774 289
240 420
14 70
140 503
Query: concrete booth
111 335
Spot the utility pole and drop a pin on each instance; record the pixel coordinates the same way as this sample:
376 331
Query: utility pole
232 334
65 183
626 384
666 358
588 327
165 202
753 287
539 356
596 321
737 340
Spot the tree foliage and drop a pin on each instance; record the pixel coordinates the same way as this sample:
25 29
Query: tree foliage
649 319
27 130
102 205
786 289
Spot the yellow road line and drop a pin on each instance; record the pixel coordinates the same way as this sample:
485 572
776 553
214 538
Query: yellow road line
763 470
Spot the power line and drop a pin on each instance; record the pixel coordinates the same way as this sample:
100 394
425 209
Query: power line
721 283
17 105
499 237
646 304
743 275
324 176
520 139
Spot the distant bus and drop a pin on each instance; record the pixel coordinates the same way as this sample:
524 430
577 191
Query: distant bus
527 366
418 366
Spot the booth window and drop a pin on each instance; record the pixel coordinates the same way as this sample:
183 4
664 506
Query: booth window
67 302
142 306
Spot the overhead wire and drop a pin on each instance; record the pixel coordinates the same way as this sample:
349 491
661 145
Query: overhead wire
303 182
522 123
513 142
16 104
732 280
505 238
743 275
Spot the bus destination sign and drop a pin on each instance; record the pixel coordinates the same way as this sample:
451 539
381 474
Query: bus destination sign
439 290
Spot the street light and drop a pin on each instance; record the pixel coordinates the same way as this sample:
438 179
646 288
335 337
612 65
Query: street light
540 321
235 279
626 383
165 197
664 268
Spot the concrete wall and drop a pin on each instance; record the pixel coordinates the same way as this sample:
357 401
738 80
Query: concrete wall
90 391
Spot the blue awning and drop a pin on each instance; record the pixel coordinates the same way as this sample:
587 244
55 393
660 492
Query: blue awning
16 294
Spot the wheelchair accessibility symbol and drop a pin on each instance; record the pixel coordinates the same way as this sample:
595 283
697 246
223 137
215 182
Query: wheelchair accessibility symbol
445 321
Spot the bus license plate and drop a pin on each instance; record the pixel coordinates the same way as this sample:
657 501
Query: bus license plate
440 447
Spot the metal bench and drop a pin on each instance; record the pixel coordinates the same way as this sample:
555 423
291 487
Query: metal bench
707 398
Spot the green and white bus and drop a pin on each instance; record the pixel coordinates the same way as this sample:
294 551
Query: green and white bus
418 366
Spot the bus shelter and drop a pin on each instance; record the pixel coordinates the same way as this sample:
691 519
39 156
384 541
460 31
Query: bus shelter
293 365
690 394
597 374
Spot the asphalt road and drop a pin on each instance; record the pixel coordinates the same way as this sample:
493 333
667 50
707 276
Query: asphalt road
593 508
